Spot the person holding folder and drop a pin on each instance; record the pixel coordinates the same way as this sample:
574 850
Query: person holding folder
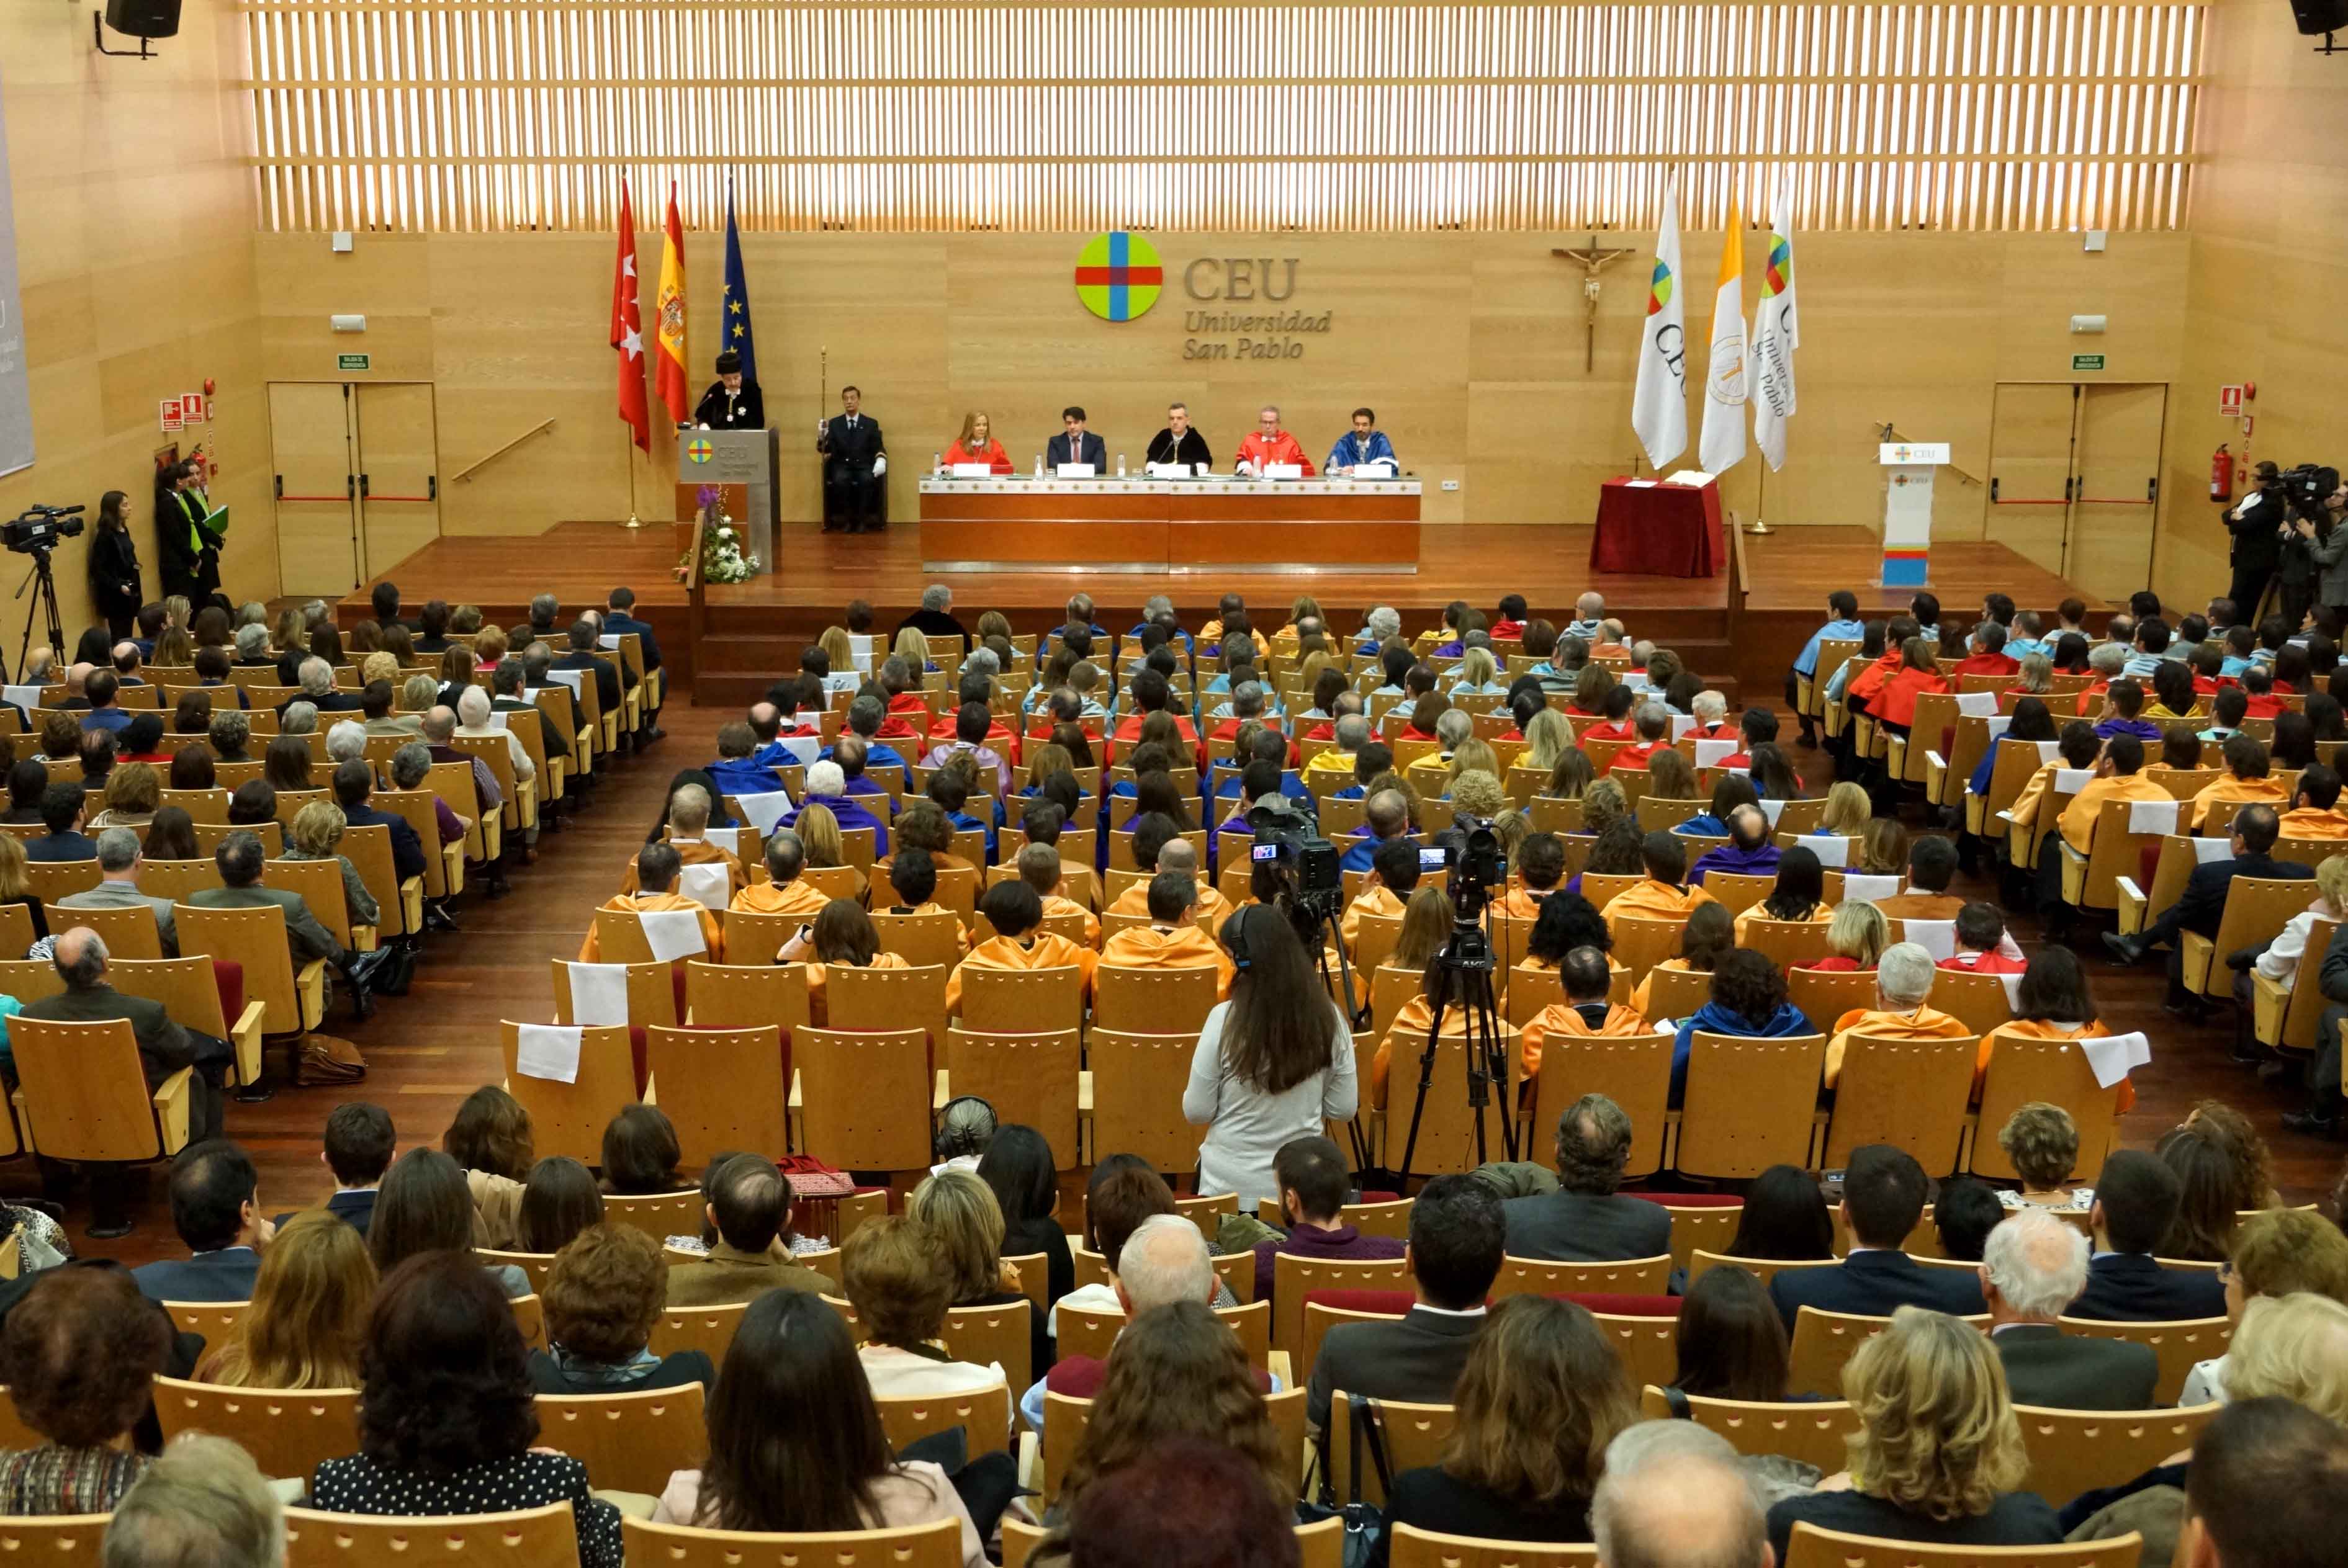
1075 444
189 531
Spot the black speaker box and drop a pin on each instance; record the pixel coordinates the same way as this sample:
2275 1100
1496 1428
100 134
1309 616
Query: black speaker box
144 19
2318 17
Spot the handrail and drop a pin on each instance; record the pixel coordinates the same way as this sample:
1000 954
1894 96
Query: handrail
466 472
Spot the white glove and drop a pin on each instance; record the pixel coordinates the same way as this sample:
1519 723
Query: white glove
880 465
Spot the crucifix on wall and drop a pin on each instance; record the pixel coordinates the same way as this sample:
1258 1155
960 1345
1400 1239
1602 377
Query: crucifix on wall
1594 259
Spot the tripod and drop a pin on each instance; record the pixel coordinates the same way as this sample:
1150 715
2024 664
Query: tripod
1464 966
1328 937
44 584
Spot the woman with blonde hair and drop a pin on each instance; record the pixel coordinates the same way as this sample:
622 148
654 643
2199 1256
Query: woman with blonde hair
2036 677
1603 804
133 790
840 649
381 666
1471 755
1042 762
1939 1450
1547 738
819 832
315 833
291 633
1570 774
1882 848
1478 793
1426 923
1856 937
1478 673
420 695
1301 609
2278 1253
307 1319
976 443
963 1211
1541 1396
175 649
1847 811
915 649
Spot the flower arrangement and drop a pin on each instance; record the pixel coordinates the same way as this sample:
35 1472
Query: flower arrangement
723 560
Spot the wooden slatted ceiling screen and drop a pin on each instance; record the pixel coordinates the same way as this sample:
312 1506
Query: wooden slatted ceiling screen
486 115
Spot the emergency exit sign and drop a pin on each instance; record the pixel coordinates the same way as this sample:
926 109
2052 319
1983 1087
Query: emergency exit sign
359 362
2079 361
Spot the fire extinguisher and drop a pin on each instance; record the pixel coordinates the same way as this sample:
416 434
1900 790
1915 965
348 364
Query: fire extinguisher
2221 476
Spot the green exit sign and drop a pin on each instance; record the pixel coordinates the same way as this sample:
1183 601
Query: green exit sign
2079 361
359 362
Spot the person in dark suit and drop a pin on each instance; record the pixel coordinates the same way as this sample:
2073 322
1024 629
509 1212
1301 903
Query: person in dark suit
562 729
2137 1197
1457 1238
1075 444
2320 1117
855 463
241 859
619 618
164 1047
2255 549
1882 1198
582 639
1586 1219
360 1144
936 617
2267 1487
2033 1266
2203 902
62 804
354 788
215 1211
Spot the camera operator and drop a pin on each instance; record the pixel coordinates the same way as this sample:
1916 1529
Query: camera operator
1273 1063
2321 533
2256 523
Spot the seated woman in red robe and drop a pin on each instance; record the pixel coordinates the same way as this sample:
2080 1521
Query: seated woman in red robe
1919 672
976 443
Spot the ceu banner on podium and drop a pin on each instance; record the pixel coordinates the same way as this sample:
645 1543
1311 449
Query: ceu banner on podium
741 464
1908 470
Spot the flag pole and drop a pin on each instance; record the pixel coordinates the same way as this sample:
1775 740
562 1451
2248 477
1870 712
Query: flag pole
1759 527
628 451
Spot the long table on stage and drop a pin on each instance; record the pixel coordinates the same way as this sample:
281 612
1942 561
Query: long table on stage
1170 525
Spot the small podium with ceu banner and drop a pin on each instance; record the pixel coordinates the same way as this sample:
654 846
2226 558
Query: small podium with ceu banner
1908 470
741 465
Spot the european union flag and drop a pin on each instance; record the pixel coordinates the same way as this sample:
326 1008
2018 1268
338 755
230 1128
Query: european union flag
735 301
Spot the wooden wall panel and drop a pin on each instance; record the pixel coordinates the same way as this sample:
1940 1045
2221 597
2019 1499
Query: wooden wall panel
134 218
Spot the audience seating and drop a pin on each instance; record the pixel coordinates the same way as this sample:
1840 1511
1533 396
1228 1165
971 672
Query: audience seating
81 1094
1132 1001
2179 1346
1535 1277
536 1265
1749 1104
1294 1278
1811 1432
1030 1077
745 996
1412 1434
984 1415
1390 1219
2076 1451
1414 1548
1910 1093
1023 1001
1811 1547
708 1329
1695 1224
1138 1083
548 1535
658 1215
570 1118
295 999
128 933
934 1545
2054 1071
1321 1545
870 1000
1089 1332
288 1432
1765 1270
2285 1014
865 1093
721 1089
212 1320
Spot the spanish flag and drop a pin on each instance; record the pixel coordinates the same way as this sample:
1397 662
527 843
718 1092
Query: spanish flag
668 362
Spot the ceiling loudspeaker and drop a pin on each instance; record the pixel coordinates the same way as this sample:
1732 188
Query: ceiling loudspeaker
146 18
2319 17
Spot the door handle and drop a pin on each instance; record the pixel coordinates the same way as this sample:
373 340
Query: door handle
2152 488
1992 489
363 485
279 481
431 486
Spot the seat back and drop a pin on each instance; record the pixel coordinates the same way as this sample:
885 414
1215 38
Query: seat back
886 1001
1138 1083
1632 1070
651 991
175 879
370 850
256 939
570 1118
1411 1547
1977 1000
320 884
1029 1076
998 1336
1640 944
1787 943
629 1440
708 1329
548 1535
984 1415
1412 1434
1824 994
82 1092
53 1538
657 1215
721 1089
288 1432
1447 1130
1023 1001
2179 1346
128 932
865 1095
1676 993
741 996
50 880
1135 1000
2022 1070
1812 1433
1739 890
537 1265
1824 1342
1909 1093
937 1544
1091 1331
1294 1278
415 807
1749 1104
1811 1547
1538 1277
2077 1451
922 939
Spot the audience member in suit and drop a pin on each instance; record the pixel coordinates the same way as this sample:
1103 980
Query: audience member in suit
2320 1117
1939 1453
1586 1219
118 860
1457 1236
1882 1198
603 1298
1314 1187
1541 1396
360 1141
2198 907
2034 1267
581 640
164 1047
748 1202
2137 1197
2267 1487
241 860
214 1209
61 814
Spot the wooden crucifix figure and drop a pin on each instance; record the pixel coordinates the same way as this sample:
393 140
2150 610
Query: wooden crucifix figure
1594 259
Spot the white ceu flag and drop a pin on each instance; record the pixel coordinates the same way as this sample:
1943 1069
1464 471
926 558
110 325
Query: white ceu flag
1776 334
1659 405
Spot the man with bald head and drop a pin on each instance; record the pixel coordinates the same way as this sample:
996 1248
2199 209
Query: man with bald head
783 892
866 716
1677 1510
1748 853
2033 1268
1386 814
1177 854
164 1047
851 755
688 829
438 728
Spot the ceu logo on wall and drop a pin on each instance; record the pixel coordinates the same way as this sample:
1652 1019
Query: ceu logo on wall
1118 275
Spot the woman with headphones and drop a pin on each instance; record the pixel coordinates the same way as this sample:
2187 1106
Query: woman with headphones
1273 1062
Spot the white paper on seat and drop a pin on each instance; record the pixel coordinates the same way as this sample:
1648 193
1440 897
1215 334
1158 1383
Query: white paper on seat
728 839
1635 679
26 697
550 1051
2111 1060
1977 704
498 718
765 810
1868 886
1997 724
2048 750
707 882
1708 753
2013 992
2071 780
860 650
609 640
801 749
1937 938
2206 850
673 934
1831 848
571 678
599 994
2153 816
1769 808
1681 724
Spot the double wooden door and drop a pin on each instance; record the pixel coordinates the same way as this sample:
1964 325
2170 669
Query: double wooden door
358 480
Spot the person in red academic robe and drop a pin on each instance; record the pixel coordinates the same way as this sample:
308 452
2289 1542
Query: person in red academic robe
1268 442
976 443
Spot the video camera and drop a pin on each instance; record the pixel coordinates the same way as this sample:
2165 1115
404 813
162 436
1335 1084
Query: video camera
2307 487
1287 841
39 530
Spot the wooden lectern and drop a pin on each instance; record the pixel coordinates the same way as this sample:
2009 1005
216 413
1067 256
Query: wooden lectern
741 465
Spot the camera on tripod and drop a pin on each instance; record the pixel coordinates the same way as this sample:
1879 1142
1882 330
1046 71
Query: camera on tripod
2306 487
38 531
1286 839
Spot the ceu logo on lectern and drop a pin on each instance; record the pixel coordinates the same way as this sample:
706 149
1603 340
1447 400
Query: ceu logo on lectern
1118 275
699 450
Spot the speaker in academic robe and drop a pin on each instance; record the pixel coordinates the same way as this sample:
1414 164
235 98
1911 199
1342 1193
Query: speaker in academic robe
2315 16
144 19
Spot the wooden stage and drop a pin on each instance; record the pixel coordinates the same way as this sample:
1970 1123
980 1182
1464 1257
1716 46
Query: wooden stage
753 632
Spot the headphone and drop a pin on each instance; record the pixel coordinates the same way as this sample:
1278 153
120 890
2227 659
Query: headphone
1235 940
965 1127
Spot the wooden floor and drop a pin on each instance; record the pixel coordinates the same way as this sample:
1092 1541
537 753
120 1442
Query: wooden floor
428 1050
